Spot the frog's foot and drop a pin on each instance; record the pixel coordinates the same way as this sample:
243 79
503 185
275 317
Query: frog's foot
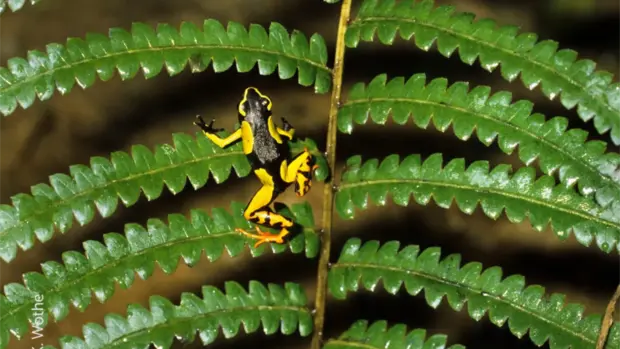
263 236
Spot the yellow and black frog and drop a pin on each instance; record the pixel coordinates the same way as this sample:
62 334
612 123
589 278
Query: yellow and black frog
266 146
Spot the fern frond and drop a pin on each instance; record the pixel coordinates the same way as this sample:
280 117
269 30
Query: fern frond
547 317
492 117
557 71
520 195
378 336
119 258
271 308
15 5
144 48
53 208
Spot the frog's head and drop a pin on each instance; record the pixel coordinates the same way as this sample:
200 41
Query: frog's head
254 103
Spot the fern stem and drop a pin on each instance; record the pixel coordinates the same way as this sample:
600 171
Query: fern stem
328 190
608 319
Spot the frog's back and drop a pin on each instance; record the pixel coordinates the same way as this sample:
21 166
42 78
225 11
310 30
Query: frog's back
255 110
265 147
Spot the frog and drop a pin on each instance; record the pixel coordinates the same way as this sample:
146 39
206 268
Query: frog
266 147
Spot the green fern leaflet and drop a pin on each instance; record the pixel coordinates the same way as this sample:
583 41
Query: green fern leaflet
558 72
378 336
513 125
526 309
271 308
15 5
54 208
150 50
520 195
120 258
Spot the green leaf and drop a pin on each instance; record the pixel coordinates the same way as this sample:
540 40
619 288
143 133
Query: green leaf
53 208
270 308
15 5
120 258
546 317
151 50
492 118
558 72
520 195
378 336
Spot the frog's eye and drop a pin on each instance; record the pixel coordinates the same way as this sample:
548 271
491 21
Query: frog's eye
266 102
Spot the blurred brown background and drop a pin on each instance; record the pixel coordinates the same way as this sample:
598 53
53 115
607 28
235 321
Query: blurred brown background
66 130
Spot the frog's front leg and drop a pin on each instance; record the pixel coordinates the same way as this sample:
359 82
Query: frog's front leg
210 132
287 130
299 171
258 212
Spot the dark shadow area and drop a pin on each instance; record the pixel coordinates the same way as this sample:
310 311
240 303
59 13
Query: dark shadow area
379 305
591 274
373 141
185 94
597 34
483 334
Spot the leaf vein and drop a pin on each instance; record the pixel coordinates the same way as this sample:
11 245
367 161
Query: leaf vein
546 204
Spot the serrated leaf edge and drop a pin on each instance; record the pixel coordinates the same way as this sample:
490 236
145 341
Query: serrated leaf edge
604 216
138 251
182 316
13 82
603 122
362 334
352 250
4 4
579 158
179 138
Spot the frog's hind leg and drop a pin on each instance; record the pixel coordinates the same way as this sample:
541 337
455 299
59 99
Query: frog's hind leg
300 172
258 212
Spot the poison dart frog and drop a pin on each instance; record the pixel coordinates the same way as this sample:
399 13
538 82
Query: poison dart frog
266 146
